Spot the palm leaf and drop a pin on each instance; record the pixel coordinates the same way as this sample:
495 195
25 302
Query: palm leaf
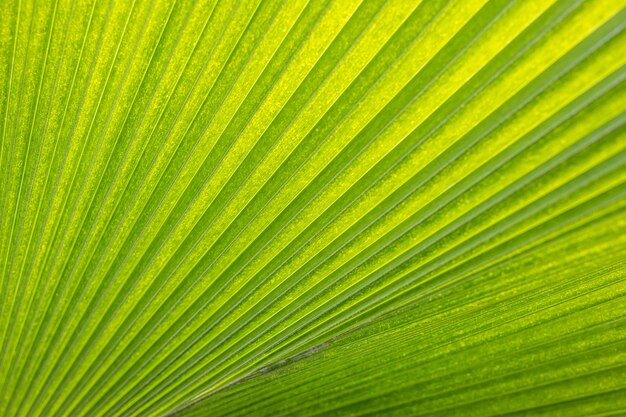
312 207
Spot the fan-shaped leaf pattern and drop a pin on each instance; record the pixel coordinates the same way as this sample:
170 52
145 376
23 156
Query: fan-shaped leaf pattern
312 207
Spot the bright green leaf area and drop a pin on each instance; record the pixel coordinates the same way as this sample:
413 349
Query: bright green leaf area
323 207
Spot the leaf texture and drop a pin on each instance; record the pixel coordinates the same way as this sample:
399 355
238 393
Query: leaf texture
255 207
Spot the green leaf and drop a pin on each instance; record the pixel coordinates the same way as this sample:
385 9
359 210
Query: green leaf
312 207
